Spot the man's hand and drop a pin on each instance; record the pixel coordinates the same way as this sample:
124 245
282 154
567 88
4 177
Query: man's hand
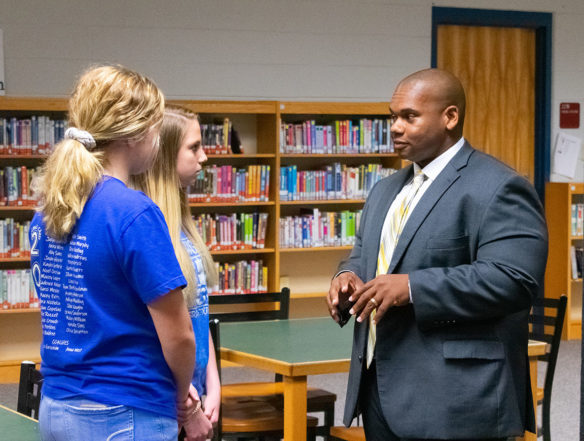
342 286
386 290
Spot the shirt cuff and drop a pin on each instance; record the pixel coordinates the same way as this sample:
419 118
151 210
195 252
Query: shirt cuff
341 272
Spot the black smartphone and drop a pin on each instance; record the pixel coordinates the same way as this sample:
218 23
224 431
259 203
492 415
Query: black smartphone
343 308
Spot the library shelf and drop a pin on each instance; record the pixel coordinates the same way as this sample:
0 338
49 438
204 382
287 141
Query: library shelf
309 156
258 124
232 157
244 251
230 204
20 311
324 202
317 249
8 260
559 198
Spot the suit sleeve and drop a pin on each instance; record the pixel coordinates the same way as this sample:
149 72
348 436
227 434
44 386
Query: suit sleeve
504 275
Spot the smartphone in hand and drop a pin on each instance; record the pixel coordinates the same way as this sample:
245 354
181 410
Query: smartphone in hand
344 307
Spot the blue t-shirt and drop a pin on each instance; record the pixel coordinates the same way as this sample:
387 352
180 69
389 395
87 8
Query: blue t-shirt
99 340
199 313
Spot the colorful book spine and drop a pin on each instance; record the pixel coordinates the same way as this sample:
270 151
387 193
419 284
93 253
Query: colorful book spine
17 290
339 137
577 220
336 181
241 277
319 229
241 231
15 186
30 136
216 137
231 185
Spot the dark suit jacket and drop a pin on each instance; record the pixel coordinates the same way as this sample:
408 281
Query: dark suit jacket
454 363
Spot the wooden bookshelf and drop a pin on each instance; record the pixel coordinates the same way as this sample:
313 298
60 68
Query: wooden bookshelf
258 124
559 197
309 283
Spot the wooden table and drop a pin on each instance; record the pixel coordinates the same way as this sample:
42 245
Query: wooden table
15 426
297 348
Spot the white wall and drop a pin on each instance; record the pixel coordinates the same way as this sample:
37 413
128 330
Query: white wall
256 49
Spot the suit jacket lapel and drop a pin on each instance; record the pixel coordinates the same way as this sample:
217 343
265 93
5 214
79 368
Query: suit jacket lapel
445 179
379 213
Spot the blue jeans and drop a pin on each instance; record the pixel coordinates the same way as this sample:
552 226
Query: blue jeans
84 420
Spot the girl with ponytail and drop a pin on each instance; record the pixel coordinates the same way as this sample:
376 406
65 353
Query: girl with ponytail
176 167
118 351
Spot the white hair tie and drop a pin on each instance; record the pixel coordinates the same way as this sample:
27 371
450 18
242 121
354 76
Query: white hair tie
81 136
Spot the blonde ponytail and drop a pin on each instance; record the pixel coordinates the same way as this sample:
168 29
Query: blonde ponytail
109 103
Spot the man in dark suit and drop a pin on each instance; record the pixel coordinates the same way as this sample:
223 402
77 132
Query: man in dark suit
441 280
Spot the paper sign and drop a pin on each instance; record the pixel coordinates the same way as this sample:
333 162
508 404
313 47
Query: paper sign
569 115
566 155
2 88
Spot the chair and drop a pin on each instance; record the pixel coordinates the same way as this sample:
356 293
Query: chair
546 323
342 433
29 390
251 416
318 400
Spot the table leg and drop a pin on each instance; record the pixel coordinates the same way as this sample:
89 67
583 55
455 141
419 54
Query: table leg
295 408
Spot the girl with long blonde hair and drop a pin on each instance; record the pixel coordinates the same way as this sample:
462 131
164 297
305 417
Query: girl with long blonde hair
176 167
118 350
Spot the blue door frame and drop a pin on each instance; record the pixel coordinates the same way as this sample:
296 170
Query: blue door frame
541 22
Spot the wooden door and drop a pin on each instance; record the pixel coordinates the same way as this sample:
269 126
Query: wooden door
497 68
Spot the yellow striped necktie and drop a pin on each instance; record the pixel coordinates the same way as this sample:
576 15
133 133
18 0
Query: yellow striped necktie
392 229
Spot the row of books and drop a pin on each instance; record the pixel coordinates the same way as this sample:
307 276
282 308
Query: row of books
340 136
15 189
17 290
242 277
319 229
231 184
577 256
239 231
336 181
577 220
36 135
14 241
216 137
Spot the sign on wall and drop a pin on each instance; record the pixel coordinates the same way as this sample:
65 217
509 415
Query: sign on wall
2 88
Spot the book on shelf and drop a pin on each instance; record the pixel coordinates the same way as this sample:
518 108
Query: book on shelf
242 277
220 138
36 135
14 241
15 188
241 231
226 183
361 136
576 256
319 229
335 181
577 219
17 290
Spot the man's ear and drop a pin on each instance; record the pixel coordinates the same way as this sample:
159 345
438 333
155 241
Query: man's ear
451 117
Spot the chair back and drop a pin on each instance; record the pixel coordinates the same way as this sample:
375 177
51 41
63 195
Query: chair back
29 390
546 322
215 336
248 302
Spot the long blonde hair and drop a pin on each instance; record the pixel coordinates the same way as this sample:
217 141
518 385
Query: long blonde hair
162 184
110 103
